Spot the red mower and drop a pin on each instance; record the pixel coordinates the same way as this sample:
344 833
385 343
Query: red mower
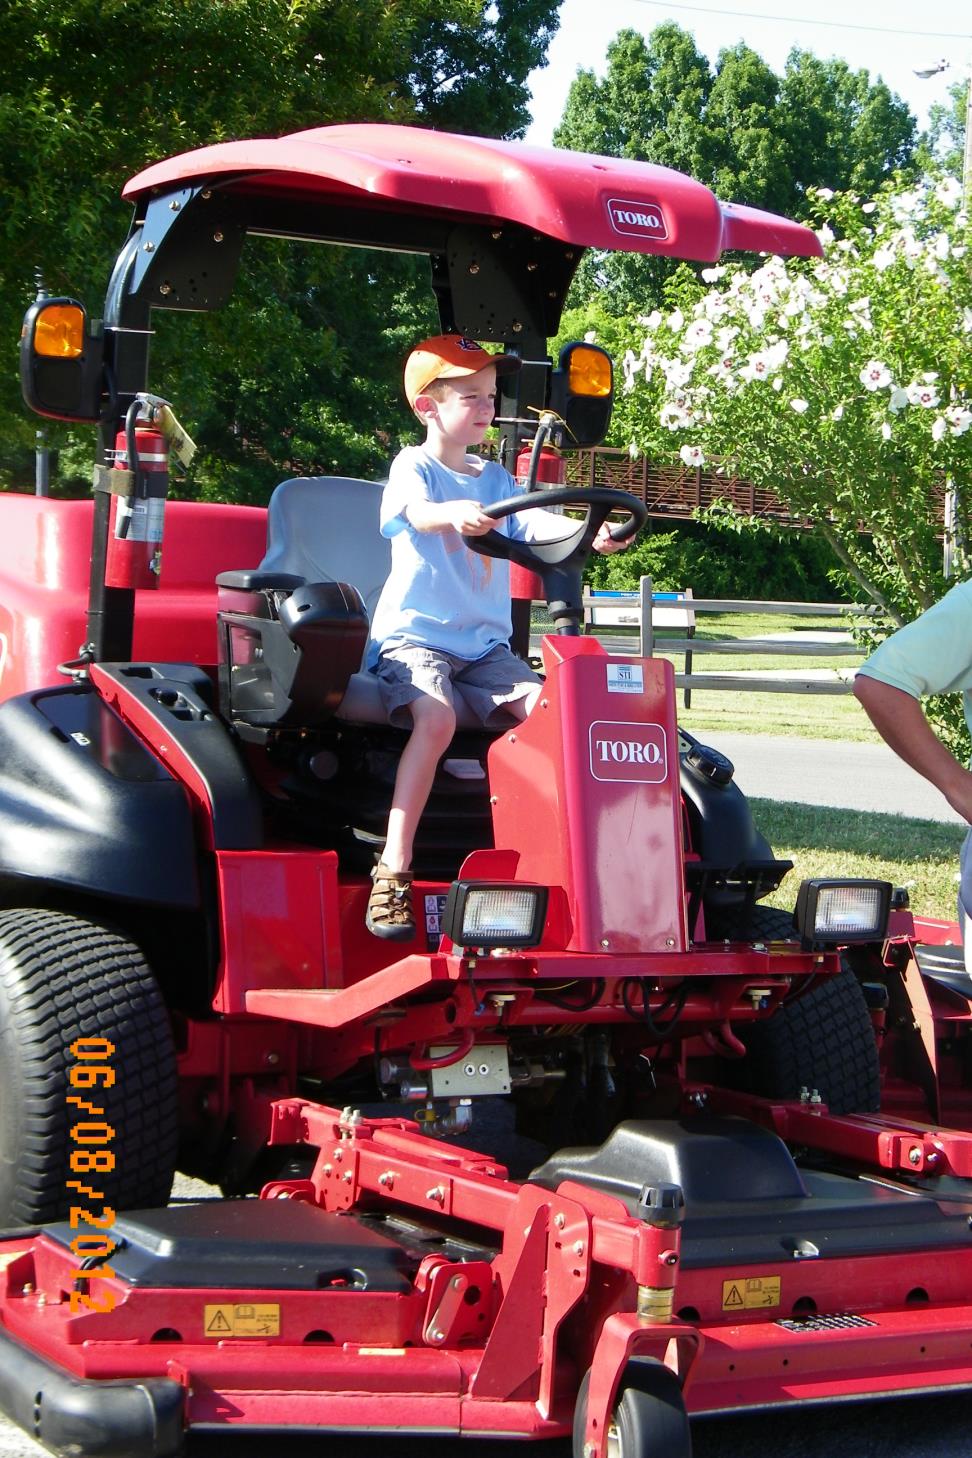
700 1207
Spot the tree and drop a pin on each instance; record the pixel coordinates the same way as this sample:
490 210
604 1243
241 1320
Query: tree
93 90
842 130
473 77
650 106
945 139
751 136
747 161
840 384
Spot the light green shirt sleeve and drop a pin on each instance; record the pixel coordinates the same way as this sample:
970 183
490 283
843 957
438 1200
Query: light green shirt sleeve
933 654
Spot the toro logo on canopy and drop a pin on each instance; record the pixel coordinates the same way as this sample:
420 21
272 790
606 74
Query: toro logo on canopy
643 219
626 751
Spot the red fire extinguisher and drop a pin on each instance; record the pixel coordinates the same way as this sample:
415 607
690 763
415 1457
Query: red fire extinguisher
551 470
135 526
551 466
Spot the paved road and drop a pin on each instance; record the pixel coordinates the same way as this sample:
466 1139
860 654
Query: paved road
830 772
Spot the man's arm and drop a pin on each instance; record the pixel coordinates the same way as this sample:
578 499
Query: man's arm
899 720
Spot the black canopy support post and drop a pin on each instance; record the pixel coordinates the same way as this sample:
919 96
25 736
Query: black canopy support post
111 610
528 387
183 253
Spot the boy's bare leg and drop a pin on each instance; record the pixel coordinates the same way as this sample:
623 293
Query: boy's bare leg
521 707
433 725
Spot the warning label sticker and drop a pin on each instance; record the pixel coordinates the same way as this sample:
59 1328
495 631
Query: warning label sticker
434 907
750 1293
242 1321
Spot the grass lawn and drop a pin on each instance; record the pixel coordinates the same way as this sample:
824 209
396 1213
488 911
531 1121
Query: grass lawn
919 854
804 716
800 716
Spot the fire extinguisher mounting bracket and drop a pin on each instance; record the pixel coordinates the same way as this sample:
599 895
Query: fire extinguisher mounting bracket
115 482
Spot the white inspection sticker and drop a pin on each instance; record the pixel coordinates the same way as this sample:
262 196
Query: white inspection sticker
625 678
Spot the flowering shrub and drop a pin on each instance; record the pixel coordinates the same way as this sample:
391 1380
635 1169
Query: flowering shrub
844 384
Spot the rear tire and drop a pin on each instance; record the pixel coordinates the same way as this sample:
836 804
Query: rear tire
62 979
649 1418
823 1039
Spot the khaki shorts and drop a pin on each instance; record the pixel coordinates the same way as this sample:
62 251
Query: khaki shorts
486 684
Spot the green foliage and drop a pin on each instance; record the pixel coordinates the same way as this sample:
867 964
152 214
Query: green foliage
840 384
753 136
302 368
718 561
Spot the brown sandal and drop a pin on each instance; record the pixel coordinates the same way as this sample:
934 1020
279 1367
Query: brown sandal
389 913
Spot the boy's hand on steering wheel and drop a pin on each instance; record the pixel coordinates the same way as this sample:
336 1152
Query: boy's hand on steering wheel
468 518
605 543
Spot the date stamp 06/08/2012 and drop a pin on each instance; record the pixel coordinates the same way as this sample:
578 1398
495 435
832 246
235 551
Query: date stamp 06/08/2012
90 1159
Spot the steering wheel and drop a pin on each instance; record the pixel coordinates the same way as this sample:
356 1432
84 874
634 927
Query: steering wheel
561 564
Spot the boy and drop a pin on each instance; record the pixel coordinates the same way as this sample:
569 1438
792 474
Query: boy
442 623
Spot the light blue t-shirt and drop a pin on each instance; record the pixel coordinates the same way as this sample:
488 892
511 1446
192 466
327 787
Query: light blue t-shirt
438 593
933 654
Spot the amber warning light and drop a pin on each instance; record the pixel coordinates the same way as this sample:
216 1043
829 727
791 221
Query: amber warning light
59 331
582 393
589 371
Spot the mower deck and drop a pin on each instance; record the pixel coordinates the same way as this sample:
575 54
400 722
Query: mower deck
410 1285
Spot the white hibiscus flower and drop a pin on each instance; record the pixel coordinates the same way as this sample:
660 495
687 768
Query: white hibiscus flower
921 392
875 375
698 334
949 192
958 419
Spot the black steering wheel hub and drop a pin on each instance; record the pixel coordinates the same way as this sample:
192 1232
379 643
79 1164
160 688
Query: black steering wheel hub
560 564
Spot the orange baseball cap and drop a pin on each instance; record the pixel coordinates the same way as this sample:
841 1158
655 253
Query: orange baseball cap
446 357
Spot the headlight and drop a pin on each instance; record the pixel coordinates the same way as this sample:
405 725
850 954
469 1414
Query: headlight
490 914
836 913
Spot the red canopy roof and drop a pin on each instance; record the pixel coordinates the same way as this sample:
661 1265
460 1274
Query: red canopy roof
596 202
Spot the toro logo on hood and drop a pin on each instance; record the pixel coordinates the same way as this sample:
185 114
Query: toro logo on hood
626 751
641 219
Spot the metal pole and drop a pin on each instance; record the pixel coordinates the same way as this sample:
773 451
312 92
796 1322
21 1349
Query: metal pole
42 456
42 465
967 155
948 563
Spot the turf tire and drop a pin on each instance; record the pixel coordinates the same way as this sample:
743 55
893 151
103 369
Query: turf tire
64 978
822 1039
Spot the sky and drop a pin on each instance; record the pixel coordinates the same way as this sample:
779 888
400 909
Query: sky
881 36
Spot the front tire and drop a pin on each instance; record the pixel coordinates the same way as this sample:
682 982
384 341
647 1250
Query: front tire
649 1418
63 979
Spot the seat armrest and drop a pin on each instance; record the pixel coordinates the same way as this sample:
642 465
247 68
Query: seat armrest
252 579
